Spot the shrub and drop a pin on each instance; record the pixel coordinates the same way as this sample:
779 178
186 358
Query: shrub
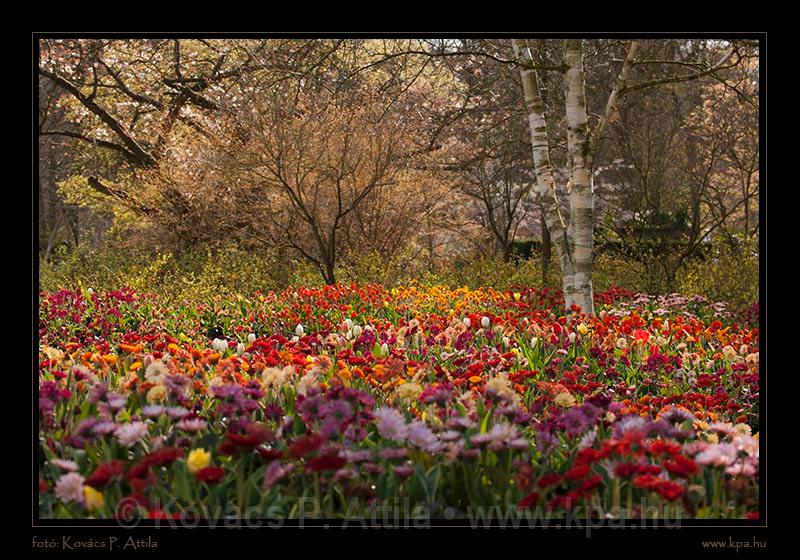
730 274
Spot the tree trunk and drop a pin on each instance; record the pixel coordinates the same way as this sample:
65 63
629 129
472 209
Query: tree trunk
574 243
545 178
547 251
507 247
578 288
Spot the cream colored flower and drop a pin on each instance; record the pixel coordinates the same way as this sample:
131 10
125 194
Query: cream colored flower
156 394
409 390
742 429
564 399
500 386
53 353
155 370
729 352
306 383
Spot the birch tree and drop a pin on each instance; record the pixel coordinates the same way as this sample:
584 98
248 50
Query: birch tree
572 233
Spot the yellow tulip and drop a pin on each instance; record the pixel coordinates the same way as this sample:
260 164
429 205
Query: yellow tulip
198 459
93 498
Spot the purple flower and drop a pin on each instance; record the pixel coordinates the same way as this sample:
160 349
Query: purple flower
574 421
356 456
421 435
177 384
480 439
503 433
309 408
403 471
339 409
391 424
114 403
153 410
459 423
546 438
440 394
177 412
97 393
373 468
344 474
355 433
676 415
393 453
450 435
104 427
630 422
275 473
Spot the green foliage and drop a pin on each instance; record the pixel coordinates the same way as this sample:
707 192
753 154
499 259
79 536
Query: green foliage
730 274
491 271
193 275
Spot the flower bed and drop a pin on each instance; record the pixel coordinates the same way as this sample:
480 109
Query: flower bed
339 401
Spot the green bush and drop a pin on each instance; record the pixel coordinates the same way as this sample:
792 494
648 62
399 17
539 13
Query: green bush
194 274
730 274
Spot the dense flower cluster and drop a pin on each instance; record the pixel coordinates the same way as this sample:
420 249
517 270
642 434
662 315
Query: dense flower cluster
359 394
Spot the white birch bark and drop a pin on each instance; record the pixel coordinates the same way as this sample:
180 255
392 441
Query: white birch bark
543 168
574 241
581 199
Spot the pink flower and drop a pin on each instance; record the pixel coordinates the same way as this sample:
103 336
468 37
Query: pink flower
70 488
191 424
720 455
65 464
129 434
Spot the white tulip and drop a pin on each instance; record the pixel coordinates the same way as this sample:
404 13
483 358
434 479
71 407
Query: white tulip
357 331
240 349
349 323
348 335
251 338
384 349
534 340
299 330
485 322
572 338
506 340
295 339
467 322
